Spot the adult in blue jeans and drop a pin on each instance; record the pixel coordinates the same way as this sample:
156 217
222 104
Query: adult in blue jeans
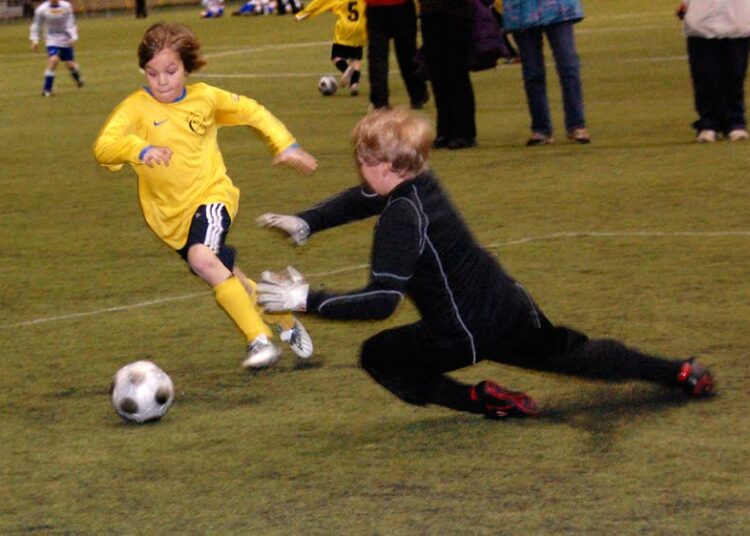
530 21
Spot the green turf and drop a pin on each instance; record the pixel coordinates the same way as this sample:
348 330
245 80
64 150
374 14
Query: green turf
642 236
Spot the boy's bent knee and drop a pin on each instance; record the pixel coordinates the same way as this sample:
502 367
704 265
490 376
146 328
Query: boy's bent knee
206 265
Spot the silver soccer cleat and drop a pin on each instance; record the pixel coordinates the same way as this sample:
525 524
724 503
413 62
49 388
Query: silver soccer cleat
298 340
261 354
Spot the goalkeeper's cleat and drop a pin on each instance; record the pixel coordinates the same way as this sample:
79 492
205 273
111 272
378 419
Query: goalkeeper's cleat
695 379
497 402
261 353
298 340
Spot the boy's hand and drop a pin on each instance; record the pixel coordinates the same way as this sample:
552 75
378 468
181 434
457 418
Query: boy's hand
297 158
157 155
295 227
680 13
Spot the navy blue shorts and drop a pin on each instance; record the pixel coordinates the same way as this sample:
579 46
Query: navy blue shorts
64 53
210 227
346 52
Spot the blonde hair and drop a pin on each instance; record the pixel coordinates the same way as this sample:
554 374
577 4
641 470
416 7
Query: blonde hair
177 37
398 136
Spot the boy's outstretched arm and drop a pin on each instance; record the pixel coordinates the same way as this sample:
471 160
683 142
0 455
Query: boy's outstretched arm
296 157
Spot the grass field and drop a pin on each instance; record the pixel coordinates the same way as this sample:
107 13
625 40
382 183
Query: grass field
643 236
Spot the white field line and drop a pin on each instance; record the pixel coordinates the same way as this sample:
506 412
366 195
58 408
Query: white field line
498 245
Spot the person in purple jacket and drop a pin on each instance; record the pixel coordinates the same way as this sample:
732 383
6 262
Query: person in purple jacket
529 21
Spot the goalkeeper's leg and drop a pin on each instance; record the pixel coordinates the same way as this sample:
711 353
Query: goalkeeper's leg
412 364
535 343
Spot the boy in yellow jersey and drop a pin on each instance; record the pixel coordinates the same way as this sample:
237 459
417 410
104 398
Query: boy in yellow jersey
168 133
349 36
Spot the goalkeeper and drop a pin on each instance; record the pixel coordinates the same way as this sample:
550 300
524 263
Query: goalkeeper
471 309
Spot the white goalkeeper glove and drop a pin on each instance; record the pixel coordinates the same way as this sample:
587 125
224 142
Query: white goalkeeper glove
295 227
278 292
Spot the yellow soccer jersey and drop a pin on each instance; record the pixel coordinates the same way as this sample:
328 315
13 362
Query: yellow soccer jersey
351 27
196 175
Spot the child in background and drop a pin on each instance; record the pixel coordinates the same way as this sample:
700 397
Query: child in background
718 44
167 132
349 37
61 33
213 9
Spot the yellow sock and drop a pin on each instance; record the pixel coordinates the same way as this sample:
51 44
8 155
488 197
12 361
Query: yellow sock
283 320
233 298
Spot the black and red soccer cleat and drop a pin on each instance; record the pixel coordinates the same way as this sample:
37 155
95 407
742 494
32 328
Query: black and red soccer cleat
497 402
695 379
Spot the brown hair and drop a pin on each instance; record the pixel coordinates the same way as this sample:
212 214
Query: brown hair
177 37
398 136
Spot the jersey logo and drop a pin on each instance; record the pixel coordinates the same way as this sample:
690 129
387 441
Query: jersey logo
197 123
159 123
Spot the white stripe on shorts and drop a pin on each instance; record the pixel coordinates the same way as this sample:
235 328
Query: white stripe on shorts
215 226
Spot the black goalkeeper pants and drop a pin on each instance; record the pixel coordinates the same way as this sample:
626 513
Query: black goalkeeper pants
412 361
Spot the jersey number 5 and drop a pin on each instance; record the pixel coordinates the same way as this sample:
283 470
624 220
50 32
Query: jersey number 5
353 13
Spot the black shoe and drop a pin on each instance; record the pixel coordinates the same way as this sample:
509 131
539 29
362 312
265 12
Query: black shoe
462 143
499 403
695 379
441 142
419 104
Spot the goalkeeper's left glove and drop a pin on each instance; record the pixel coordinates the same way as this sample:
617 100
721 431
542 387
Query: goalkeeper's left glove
297 228
277 292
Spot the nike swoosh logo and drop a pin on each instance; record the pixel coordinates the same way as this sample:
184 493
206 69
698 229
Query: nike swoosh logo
159 123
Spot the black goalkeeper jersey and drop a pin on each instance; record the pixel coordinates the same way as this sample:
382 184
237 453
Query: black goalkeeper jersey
422 249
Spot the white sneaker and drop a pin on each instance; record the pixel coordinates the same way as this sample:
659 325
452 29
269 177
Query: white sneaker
261 353
706 136
298 340
738 134
344 80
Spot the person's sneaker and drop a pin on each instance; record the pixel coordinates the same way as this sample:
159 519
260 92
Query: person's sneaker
346 76
499 403
298 340
440 142
537 138
579 135
419 103
738 134
695 379
79 83
354 90
261 353
46 93
706 136
461 143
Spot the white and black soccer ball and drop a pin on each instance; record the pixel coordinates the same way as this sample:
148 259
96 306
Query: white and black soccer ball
327 85
141 392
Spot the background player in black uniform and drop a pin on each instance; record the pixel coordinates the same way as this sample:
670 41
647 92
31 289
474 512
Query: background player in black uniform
470 308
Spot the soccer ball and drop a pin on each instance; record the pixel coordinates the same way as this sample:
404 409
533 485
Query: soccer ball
327 85
141 392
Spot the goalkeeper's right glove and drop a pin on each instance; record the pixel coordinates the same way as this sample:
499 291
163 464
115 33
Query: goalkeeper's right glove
279 292
295 227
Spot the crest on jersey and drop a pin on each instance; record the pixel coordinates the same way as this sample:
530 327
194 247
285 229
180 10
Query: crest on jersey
197 123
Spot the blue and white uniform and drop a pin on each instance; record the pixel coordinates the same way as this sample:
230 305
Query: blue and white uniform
60 21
